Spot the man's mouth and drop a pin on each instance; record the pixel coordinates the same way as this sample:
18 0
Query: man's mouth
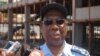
55 35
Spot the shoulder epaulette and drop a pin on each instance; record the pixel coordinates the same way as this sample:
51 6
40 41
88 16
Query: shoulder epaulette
80 50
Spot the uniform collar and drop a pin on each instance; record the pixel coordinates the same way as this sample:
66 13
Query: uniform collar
46 50
66 50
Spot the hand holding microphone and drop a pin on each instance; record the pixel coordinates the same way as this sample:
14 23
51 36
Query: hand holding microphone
4 53
15 47
11 48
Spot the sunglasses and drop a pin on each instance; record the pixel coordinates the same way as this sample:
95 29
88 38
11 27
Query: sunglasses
57 21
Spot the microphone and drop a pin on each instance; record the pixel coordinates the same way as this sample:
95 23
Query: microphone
12 46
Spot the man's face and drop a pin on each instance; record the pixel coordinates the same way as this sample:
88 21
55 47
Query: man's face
54 28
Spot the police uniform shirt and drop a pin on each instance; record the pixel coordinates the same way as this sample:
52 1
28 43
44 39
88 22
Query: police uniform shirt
68 50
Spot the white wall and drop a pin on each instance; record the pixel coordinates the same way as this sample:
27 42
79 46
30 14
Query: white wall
82 14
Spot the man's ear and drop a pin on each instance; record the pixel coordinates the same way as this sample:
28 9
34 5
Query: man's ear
67 22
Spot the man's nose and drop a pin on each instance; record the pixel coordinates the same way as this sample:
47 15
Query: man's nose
54 26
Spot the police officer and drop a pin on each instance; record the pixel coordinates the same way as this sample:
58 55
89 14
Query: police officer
54 29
